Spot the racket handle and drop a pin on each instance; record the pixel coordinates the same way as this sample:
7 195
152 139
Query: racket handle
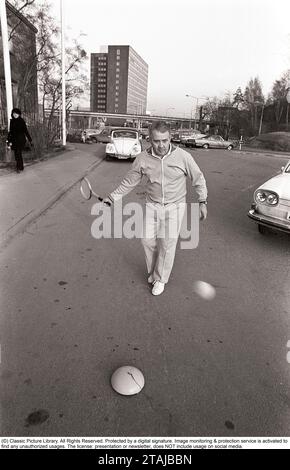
107 203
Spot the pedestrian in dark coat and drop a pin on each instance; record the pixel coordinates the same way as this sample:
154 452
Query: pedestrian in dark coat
17 136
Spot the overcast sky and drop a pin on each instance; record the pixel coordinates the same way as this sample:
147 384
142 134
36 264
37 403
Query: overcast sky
197 47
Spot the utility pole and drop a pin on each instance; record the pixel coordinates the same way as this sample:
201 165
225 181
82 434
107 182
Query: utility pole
62 11
261 119
6 59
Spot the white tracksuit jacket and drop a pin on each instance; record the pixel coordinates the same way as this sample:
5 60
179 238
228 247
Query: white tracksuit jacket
166 177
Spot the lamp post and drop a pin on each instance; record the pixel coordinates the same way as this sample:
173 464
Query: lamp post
196 105
288 102
261 118
63 72
6 59
256 104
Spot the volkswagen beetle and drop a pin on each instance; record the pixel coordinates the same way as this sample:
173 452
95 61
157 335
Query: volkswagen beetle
125 144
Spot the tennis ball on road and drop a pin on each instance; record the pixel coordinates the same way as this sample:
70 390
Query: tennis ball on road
127 380
204 290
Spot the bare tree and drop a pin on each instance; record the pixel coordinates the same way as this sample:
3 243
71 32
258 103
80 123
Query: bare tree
46 62
278 98
253 98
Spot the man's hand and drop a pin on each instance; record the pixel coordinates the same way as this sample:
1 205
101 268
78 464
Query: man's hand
107 201
202 211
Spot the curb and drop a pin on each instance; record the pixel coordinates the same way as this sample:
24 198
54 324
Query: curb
268 153
21 225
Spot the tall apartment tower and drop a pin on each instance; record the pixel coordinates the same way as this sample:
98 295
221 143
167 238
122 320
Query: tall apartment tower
119 81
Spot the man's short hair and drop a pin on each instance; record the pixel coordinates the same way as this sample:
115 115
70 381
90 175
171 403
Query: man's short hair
159 126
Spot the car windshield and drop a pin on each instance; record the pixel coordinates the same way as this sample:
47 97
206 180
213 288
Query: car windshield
124 134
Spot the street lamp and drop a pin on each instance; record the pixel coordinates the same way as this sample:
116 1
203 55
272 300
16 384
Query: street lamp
196 105
288 102
256 104
63 73
6 60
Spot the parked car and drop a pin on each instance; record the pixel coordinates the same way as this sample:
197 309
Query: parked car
271 206
89 135
214 141
177 135
104 136
189 140
144 132
125 143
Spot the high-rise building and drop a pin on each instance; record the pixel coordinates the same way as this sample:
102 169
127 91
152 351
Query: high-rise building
119 81
99 82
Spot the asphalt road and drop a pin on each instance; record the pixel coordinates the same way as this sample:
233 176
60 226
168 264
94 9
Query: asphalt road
75 308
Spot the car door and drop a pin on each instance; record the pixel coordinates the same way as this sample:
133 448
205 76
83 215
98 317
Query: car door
216 141
221 142
106 136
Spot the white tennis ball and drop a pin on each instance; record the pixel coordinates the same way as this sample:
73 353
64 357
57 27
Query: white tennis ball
127 380
204 290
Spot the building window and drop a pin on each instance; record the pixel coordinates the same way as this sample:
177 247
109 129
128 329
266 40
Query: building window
116 100
117 69
117 75
117 87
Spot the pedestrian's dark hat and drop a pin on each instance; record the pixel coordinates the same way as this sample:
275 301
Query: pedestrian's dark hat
16 110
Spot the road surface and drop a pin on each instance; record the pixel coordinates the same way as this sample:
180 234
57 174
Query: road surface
75 308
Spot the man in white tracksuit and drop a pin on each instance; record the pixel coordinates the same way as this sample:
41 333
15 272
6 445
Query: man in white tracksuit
166 168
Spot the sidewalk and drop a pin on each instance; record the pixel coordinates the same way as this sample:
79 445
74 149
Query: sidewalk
25 196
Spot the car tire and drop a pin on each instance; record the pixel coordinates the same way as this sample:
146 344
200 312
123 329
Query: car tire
262 229
205 146
229 147
108 157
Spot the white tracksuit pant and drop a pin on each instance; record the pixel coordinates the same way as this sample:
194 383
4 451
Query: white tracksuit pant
162 224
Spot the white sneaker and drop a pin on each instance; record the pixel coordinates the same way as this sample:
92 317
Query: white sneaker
158 288
150 279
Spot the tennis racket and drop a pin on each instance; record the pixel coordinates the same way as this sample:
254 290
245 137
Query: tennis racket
87 191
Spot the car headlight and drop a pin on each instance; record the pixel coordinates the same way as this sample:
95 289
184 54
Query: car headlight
266 197
136 149
110 148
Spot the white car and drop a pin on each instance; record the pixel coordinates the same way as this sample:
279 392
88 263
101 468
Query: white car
271 206
125 144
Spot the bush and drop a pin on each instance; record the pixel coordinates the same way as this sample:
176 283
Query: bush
277 141
39 136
